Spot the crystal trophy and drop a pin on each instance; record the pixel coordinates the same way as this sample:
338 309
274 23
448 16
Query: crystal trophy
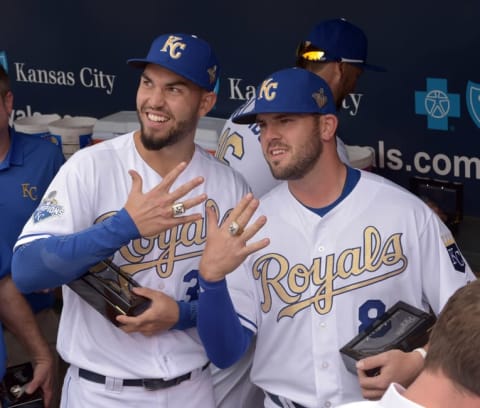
109 291
401 327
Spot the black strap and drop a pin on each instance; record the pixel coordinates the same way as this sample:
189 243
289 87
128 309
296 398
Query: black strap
148 383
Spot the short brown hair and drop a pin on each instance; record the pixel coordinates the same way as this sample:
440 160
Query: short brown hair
454 347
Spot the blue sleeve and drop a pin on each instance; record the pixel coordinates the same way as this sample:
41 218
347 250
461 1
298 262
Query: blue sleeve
222 334
51 262
187 315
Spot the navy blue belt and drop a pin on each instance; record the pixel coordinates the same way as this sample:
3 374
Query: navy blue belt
276 400
150 384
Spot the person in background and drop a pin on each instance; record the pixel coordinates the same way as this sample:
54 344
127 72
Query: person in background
335 50
139 200
330 249
27 165
451 372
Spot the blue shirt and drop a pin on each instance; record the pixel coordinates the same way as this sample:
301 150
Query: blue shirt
25 174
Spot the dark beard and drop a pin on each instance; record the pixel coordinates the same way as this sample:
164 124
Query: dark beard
304 163
175 135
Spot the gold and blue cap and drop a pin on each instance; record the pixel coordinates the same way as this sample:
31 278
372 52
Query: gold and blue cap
186 55
291 90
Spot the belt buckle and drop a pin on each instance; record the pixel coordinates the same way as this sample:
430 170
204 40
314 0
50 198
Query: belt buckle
153 384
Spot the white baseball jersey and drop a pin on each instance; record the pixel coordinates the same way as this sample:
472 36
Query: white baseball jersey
239 147
323 279
93 185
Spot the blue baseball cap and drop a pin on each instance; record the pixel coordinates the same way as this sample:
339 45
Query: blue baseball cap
186 55
337 40
291 90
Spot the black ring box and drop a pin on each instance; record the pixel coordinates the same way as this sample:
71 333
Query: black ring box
401 327
108 290
15 377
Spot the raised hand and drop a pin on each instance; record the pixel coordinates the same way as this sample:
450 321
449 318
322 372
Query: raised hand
227 245
153 212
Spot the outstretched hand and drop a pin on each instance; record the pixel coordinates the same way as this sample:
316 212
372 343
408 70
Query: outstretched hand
152 211
225 248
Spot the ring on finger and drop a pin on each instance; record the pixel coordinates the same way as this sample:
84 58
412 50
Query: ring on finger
178 209
235 229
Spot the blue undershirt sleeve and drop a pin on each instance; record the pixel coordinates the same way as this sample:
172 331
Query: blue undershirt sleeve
50 262
222 334
187 315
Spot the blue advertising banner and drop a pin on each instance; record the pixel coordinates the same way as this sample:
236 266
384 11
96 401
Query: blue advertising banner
422 116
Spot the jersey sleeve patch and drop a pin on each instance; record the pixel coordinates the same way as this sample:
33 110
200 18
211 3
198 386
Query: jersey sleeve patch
456 257
453 252
49 207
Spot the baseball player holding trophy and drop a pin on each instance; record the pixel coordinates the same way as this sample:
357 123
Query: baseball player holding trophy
336 50
136 202
318 259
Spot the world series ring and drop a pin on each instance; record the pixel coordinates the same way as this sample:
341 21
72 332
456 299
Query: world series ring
178 209
235 229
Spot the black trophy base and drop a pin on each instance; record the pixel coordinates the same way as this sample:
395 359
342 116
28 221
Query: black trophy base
12 388
107 296
401 327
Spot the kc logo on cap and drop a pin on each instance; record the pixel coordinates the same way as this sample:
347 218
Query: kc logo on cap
186 55
267 90
174 46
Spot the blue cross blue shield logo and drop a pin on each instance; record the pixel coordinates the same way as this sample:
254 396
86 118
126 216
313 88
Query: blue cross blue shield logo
473 101
437 104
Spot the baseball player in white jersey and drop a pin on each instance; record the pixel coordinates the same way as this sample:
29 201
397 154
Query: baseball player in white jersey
336 50
140 200
328 251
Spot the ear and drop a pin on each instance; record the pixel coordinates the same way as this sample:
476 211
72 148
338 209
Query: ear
207 103
8 102
328 126
330 72
343 74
